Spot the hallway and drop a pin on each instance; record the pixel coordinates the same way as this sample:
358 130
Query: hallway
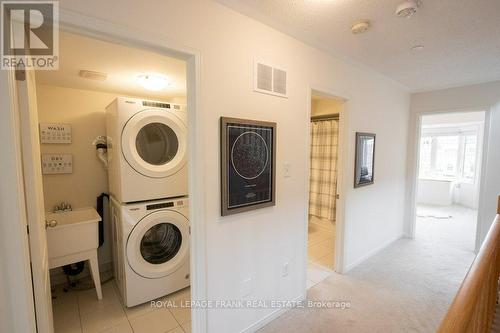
406 287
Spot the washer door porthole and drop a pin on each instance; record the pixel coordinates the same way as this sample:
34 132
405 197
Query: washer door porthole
159 244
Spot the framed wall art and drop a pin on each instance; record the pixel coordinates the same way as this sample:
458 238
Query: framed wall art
248 164
365 159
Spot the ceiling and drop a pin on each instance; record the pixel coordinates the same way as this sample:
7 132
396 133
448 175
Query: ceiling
461 38
122 64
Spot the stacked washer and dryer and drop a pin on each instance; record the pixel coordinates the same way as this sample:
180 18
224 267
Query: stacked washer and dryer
147 169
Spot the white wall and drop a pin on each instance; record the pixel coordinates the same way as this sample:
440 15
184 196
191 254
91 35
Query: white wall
446 193
480 97
435 192
326 106
84 111
256 244
464 194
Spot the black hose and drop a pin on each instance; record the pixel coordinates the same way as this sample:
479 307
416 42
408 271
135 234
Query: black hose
100 211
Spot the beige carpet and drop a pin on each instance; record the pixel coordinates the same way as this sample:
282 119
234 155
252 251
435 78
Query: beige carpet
405 288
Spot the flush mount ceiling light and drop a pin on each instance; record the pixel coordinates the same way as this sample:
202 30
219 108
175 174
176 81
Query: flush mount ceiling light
407 8
417 48
360 26
153 82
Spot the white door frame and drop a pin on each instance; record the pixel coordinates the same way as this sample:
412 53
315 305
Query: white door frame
417 119
17 309
89 26
342 155
35 208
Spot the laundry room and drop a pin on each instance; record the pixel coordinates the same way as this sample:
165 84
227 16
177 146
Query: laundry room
113 145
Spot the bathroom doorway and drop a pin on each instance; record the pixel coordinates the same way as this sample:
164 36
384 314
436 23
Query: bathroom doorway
323 193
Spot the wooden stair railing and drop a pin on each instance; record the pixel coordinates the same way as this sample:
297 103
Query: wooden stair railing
473 308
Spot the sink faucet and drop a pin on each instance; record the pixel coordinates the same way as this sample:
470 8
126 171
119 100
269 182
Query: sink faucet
62 207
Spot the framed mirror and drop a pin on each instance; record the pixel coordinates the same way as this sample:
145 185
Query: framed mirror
365 159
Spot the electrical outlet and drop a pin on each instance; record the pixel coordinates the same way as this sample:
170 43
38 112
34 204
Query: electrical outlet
246 287
285 270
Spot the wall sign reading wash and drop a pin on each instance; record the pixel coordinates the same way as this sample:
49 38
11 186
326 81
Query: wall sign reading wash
55 133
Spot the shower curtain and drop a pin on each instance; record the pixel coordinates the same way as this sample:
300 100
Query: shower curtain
323 177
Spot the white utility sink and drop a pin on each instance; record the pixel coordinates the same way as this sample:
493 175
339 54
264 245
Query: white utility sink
73 236
75 231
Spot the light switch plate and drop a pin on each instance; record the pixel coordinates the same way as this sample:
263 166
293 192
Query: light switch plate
246 287
286 269
55 133
287 170
57 164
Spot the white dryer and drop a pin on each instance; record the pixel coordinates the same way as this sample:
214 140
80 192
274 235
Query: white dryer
147 149
150 248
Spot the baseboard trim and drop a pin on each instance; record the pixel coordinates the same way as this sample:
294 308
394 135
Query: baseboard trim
370 254
407 235
270 317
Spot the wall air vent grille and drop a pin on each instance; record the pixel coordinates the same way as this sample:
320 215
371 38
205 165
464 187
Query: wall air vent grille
264 77
156 104
279 81
269 80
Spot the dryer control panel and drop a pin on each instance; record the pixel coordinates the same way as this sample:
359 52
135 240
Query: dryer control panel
160 205
169 204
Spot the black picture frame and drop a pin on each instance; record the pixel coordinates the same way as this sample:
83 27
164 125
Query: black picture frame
364 164
248 165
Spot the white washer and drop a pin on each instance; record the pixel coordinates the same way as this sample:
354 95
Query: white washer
150 248
147 149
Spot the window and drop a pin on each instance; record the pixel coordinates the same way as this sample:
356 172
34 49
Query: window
425 157
448 154
470 153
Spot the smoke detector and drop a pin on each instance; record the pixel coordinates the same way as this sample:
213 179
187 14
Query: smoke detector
92 75
360 26
407 8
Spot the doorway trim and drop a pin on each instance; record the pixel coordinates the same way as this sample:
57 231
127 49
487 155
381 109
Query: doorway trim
92 27
339 266
414 165
14 253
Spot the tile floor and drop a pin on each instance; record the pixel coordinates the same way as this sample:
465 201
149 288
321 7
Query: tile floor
81 312
321 246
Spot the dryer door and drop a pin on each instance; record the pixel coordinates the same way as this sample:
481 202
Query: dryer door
154 143
158 244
